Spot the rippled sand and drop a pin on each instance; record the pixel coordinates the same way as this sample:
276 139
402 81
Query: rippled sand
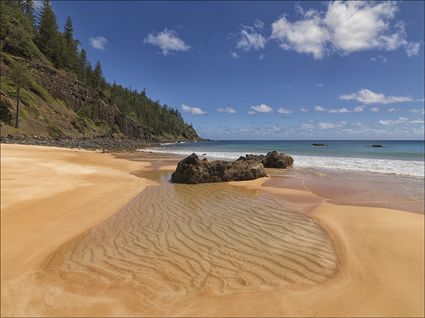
174 242
243 249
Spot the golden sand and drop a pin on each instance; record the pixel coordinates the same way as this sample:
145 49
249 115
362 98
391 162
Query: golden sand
238 249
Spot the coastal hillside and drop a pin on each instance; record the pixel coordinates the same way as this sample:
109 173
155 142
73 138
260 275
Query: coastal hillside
50 90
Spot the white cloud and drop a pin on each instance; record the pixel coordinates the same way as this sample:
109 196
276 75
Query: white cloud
388 122
417 122
167 40
305 36
374 109
345 27
319 85
284 111
258 24
411 48
262 108
381 58
229 110
392 110
250 39
326 125
98 42
251 112
366 96
234 55
304 109
417 111
340 110
319 109
193 110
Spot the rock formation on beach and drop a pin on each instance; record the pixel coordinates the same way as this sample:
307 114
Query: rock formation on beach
272 159
194 170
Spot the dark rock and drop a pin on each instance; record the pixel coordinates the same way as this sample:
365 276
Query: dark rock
376 146
272 159
319 145
193 170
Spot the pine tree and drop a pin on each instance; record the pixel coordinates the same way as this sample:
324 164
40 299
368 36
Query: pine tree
97 76
68 31
82 66
71 51
47 39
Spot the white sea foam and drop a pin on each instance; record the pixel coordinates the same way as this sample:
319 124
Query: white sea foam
389 166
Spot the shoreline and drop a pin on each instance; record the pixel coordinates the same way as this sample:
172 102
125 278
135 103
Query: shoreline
391 272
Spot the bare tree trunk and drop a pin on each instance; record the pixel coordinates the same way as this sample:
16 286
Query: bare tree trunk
17 107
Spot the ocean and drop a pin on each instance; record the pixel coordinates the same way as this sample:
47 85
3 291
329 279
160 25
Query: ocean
394 157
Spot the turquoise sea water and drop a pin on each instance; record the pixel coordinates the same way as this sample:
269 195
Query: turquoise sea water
397 157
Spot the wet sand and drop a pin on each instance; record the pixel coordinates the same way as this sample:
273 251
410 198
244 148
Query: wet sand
268 247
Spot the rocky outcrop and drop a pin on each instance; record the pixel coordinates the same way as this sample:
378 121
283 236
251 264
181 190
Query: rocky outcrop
77 95
272 159
192 170
319 145
376 146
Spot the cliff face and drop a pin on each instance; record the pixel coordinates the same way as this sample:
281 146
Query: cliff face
58 105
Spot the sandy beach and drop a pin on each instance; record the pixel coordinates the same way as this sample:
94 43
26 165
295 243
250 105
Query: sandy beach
92 234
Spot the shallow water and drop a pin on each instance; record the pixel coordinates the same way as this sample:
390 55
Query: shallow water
175 242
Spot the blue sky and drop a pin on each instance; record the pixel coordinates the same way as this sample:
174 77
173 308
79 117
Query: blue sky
266 70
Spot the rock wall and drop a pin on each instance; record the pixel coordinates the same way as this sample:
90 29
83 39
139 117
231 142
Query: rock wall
77 95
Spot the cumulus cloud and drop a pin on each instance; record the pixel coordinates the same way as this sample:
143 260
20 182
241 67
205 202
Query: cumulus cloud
229 110
304 109
417 111
417 122
366 96
234 55
284 111
388 122
326 125
167 40
341 110
98 42
381 58
305 36
250 39
374 109
262 108
193 110
319 109
251 112
344 27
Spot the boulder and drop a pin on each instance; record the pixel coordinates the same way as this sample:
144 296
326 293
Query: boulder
192 170
376 146
272 159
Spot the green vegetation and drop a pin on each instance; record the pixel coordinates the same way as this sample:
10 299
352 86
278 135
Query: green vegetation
27 39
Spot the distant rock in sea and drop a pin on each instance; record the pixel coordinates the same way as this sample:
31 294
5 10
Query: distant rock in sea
319 145
377 146
194 170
